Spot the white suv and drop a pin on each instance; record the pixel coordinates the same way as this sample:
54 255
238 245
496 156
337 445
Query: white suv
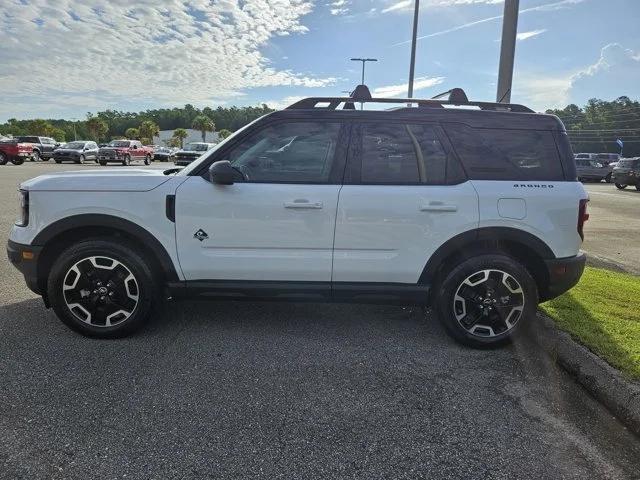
476 211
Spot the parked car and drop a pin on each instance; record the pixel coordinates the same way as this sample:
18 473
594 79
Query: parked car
124 152
627 172
164 154
78 152
607 158
476 211
42 147
191 152
592 171
11 150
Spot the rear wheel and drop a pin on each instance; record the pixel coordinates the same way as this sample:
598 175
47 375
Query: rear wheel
35 156
81 159
638 186
101 288
621 186
486 300
147 159
58 160
17 160
3 158
127 160
103 163
608 178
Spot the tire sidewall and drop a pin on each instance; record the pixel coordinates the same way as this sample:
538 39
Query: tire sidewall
449 286
125 254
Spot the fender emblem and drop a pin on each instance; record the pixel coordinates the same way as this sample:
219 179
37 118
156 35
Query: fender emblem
201 235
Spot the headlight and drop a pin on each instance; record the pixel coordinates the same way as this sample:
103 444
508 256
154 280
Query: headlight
23 205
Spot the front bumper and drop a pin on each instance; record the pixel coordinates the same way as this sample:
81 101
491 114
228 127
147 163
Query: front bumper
25 259
625 179
564 274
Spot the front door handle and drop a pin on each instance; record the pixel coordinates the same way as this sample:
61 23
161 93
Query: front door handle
438 207
303 204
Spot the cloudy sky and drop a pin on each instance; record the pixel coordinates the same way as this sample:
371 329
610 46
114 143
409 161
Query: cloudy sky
63 58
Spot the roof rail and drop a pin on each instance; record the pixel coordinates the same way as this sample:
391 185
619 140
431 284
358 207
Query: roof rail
361 94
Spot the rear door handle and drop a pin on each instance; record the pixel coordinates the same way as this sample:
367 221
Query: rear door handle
303 204
438 207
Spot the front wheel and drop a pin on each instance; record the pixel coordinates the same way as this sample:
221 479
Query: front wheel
81 159
621 186
58 161
101 288
147 160
486 300
126 161
35 156
608 178
3 158
103 163
17 160
638 186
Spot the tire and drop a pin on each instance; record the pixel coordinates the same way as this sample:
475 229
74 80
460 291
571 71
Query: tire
58 161
35 156
80 160
102 288
638 186
17 161
608 178
103 163
147 159
490 288
126 161
3 158
621 186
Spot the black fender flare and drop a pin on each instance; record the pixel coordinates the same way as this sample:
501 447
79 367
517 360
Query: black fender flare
470 238
111 222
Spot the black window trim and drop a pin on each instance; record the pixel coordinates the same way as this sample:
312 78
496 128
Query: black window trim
336 174
353 169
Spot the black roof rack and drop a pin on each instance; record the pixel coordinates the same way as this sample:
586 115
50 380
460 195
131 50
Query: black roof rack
361 94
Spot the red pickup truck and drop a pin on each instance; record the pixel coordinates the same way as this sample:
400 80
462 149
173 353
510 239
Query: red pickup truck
14 151
124 151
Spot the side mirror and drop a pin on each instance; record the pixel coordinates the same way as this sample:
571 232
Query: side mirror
222 173
135 147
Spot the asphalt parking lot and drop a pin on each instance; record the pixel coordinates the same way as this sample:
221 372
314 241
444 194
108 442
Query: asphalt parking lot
274 390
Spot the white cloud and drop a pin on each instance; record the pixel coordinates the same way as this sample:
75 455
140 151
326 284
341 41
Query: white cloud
616 66
339 7
419 83
530 34
152 52
283 102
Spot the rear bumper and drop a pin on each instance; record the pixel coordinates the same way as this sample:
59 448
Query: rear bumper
564 273
27 266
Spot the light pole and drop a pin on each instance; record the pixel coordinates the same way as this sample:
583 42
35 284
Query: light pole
363 60
414 40
507 50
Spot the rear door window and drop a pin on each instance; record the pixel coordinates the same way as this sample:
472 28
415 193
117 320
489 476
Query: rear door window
401 154
506 154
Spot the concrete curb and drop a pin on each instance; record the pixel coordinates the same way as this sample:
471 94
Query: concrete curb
620 395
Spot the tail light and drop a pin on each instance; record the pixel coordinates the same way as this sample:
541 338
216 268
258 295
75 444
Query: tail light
583 216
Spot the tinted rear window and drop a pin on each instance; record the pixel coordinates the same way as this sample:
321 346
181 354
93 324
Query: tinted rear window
506 154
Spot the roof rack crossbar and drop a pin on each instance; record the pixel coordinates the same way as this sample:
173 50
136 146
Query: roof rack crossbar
334 102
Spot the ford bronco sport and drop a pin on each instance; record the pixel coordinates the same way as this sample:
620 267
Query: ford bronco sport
473 210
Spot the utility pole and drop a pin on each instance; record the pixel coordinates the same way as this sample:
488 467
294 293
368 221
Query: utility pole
414 40
507 50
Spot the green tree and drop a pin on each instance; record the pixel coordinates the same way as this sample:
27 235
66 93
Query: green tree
38 127
180 134
224 133
147 130
204 124
96 127
132 133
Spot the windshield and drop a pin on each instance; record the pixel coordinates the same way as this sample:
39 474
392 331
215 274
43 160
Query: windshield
74 145
197 147
196 163
119 143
